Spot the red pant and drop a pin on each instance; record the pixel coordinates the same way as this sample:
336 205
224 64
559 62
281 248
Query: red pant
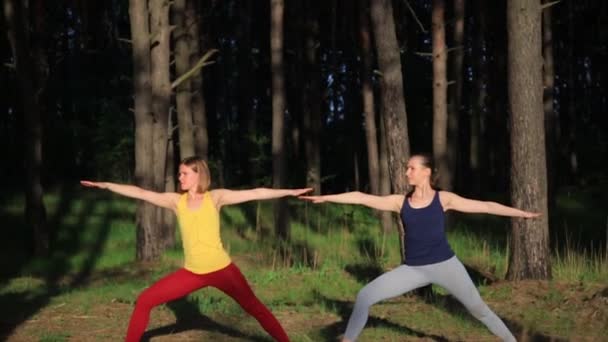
181 282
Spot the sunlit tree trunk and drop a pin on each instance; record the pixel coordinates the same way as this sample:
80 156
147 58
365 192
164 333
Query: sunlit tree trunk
278 114
440 86
183 92
147 247
392 97
161 100
529 256
30 82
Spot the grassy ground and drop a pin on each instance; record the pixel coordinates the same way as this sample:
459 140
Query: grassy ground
85 290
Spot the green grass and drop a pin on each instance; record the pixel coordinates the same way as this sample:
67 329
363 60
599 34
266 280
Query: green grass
334 250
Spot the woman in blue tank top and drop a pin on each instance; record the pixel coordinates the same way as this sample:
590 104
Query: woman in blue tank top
429 258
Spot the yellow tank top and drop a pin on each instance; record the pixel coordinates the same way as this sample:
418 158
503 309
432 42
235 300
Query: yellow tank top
200 232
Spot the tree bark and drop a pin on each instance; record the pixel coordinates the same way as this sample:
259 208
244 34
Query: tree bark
199 112
457 57
183 93
529 250
31 83
312 104
440 111
147 238
392 97
367 96
278 115
551 119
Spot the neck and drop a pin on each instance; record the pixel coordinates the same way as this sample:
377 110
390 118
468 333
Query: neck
423 190
192 193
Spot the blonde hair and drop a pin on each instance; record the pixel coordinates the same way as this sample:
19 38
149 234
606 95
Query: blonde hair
198 165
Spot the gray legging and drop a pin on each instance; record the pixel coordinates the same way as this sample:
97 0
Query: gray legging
449 274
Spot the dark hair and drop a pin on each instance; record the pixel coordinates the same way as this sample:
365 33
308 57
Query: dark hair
426 159
198 165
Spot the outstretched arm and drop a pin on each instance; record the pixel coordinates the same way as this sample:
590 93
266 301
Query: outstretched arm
162 199
451 201
386 203
226 197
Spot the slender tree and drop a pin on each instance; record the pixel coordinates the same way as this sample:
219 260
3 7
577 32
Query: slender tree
551 119
440 86
312 101
183 92
529 256
147 246
31 82
392 98
277 8
199 114
456 57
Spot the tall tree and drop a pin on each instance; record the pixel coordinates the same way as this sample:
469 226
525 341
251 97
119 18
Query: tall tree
312 101
392 98
455 91
147 247
440 86
160 32
28 60
277 8
199 114
183 93
529 256
551 119
367 95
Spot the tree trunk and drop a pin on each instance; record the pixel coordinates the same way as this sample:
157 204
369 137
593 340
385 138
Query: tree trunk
551 119
147 238
169 219
457 57
529 250
477 150
367 95
161 101
183 95
199 113
312 104
385 180
440 111
31 83
392 98
278 115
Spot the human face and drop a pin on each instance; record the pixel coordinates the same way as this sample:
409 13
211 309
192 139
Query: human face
188 178
417 173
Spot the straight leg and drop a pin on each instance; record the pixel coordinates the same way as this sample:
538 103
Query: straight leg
232 282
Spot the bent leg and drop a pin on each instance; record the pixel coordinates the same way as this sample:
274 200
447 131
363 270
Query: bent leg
390 284
232 282
170 287
455 279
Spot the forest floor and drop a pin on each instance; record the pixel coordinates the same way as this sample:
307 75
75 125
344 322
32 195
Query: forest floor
534 310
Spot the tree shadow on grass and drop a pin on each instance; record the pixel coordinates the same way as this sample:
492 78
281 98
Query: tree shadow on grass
55 272
189 317
344 309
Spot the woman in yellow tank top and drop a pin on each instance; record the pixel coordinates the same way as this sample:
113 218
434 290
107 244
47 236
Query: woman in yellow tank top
206 263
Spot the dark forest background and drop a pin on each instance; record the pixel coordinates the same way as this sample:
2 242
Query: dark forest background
81 54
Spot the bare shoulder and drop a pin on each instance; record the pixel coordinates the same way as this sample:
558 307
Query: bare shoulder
397 201
216 196
446 198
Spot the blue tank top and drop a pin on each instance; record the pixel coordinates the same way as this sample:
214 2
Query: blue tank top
425 240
